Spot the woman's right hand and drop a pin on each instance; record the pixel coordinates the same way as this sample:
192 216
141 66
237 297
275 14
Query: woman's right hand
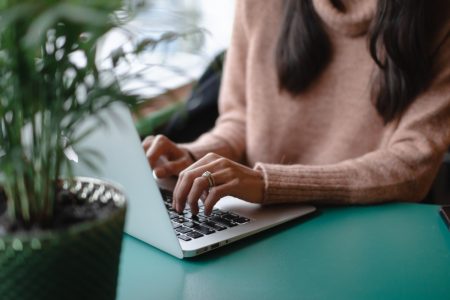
165 157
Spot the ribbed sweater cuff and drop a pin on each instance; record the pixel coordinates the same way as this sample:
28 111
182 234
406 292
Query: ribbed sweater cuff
299 183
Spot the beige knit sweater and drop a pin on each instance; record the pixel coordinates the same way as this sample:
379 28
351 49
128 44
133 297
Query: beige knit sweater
328 144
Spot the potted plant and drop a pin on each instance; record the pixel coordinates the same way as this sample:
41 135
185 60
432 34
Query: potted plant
59 238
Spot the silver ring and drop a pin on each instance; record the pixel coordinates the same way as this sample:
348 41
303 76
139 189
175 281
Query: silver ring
208 175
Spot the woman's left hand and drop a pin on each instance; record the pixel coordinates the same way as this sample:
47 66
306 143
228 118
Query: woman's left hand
229 178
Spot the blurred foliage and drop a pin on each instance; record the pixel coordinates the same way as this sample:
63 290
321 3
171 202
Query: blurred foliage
49 84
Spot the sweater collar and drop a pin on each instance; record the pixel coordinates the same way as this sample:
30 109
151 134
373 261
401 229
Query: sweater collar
353 19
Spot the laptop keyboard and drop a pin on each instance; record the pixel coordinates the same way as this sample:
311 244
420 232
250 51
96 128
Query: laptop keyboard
189 227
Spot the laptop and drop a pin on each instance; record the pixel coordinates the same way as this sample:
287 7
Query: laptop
149 214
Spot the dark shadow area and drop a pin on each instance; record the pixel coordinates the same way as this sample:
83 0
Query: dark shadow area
440 190
201 110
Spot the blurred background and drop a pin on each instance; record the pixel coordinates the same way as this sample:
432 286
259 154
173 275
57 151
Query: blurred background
201 29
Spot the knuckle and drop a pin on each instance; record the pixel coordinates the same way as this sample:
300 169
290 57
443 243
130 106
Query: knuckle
160 139
148 139
189 175
236 181
211 155
223 162
229 172
146 143
198 181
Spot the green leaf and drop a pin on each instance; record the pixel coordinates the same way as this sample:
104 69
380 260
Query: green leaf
38 38
69 12
20 11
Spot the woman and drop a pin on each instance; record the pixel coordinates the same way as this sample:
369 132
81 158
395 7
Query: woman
335 101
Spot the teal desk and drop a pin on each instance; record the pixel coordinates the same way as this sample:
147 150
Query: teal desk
395 251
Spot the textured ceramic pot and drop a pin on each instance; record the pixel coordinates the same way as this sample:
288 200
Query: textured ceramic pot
78 262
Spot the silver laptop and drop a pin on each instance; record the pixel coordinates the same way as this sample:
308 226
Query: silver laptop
149 216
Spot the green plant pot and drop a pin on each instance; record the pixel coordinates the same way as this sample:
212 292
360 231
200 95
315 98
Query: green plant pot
79 262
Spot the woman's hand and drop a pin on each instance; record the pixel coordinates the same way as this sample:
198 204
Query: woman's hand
165 157
229 177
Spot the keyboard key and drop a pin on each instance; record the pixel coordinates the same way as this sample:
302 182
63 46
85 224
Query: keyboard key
179 219
184 238
183 230
242 220
173 215
194 234
175 225
189 224
199 219
166 192
218 212
222 221
188 215
235 218
203 229
214 225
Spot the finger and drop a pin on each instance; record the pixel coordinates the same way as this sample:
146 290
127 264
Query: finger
204 195
159 147
147 142
216 193
199 186
208 158
185 181
181 190
170 168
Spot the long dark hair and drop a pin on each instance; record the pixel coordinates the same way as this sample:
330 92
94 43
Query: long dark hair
397 43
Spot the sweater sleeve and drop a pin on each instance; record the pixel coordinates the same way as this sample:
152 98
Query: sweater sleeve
227 138
401 169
